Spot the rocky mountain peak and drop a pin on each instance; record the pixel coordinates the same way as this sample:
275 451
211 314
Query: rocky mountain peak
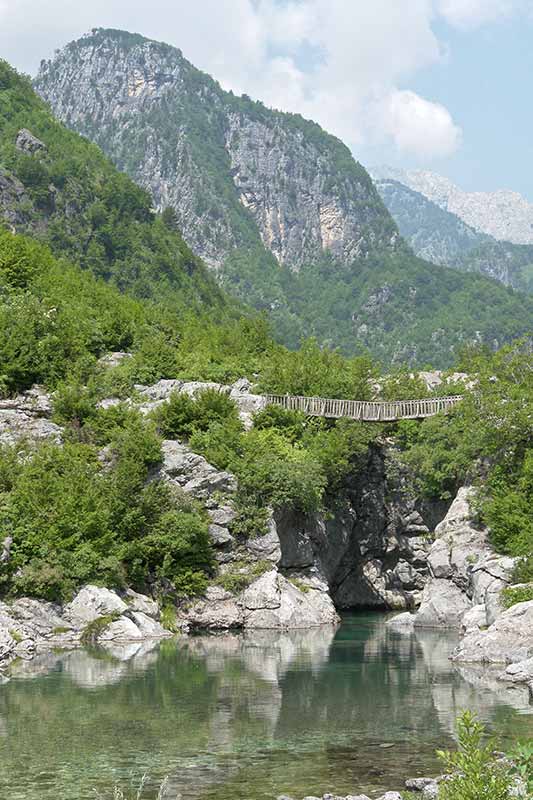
236 173
503 214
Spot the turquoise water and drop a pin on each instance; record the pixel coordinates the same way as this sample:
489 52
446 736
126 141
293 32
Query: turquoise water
243 717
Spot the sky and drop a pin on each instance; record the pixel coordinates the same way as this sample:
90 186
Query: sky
429 84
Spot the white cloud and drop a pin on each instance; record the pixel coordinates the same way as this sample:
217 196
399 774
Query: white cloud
418 126
473 13
345 63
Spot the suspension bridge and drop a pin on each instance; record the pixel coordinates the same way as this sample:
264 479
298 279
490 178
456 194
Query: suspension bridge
363 410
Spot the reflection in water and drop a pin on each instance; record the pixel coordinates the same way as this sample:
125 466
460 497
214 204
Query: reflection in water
243 716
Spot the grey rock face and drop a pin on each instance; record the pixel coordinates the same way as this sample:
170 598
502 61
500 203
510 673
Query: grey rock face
93 602
508 640
26 142
111 88
273 602
7 644
519 672
193 473
25 416
14 201
464 572
370 548
29 626
297 227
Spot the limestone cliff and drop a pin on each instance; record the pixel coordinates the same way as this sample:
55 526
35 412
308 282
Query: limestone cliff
235 172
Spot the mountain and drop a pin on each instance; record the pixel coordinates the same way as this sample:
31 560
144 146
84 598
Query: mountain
505 215
443 238
280 210
432 232
235 172
62 190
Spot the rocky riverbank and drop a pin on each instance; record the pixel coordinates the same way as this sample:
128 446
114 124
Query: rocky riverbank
464 592
425 788
29 627
371 547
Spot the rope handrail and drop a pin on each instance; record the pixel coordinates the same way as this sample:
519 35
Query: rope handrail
365 410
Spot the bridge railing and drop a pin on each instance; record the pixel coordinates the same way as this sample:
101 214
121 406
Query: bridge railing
366 411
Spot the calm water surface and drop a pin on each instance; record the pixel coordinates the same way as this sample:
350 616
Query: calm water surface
244 717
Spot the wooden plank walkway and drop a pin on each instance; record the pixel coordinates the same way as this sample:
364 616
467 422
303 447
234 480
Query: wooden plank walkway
366 411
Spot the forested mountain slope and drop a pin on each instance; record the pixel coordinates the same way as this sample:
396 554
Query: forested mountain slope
290 221
503 214
433 233
62 190
443 238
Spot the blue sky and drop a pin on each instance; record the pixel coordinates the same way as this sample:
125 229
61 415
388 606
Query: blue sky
486 84
435 84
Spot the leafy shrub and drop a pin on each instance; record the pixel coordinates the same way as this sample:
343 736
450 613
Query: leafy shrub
522 759
274 472
221 444
242 575
75 519
183 415
316 371
250 520
177 548
291 423
475 775
512 595
21 260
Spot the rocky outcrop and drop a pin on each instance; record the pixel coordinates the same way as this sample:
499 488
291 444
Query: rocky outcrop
26 417
466 576
368 549
464 593
26 142
29 626
248 403
371 546
260 596
270 602
14 201
508 640
285 182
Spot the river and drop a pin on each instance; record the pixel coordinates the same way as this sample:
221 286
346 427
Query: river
244 717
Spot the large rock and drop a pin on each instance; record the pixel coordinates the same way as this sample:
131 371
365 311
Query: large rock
269 602
272 601
26 142
91 603
25 417
443 605
7 644
29 626
141 603
519 672
193 473
464 571
217 610
266 547
508 640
